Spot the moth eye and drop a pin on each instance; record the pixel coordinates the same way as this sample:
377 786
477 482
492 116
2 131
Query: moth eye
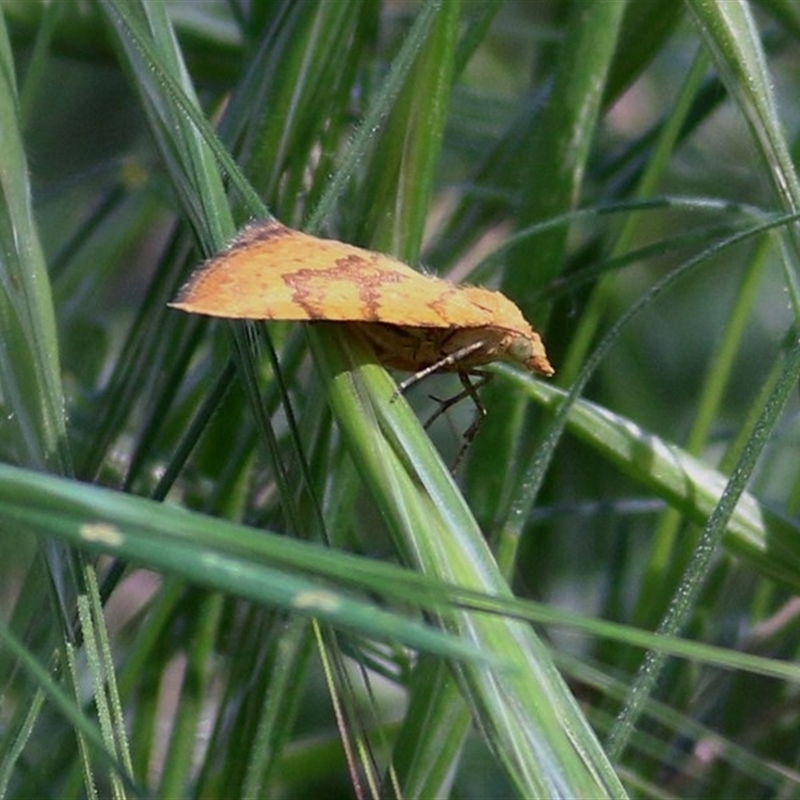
520 349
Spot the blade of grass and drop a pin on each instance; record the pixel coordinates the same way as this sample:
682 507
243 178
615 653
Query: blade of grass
732 35
535 471
400 178
684 601
526 712
66 706
217 554
30 382
560 146
558 150
667 561
32 427
652 174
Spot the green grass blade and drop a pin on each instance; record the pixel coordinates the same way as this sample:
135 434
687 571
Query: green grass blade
730 30
542 754
765 539
32 426
215 553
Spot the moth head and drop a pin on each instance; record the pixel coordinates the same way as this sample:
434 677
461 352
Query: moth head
527 349
520 349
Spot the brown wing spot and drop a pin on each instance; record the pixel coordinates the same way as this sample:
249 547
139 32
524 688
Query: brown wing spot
312 288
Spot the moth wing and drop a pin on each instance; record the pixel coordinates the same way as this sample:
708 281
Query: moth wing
273 272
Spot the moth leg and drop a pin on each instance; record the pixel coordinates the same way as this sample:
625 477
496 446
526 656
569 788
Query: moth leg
443 363
470 390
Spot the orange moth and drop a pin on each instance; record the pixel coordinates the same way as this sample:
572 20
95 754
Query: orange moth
416 323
